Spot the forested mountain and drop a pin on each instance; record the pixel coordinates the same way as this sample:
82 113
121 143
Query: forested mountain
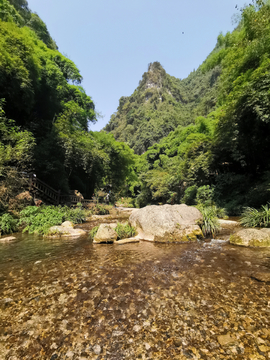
224 156
40 90
161 103
203 138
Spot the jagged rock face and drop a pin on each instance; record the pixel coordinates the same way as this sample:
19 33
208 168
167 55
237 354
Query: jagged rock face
167 223
158 106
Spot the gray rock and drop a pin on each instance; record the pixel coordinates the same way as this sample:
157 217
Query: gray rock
105 234
67 224
167 223
251 237
65 230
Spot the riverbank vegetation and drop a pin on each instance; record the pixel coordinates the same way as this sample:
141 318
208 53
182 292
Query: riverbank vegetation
199 140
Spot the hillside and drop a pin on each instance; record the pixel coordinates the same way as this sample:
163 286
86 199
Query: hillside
160 104
45 112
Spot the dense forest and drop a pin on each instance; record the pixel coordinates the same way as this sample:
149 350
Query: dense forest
45 112
203 138
220 146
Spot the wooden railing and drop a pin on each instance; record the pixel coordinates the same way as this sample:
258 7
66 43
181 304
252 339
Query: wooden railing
54 196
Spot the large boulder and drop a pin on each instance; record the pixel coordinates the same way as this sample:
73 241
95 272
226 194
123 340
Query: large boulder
167 223
251 237
105 234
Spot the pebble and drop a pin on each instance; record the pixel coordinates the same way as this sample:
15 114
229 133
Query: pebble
136 328
97 349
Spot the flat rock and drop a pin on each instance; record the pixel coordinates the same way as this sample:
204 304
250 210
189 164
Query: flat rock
261 276
65 231
251 237
127 241
225 340
167 223
7 239
228 224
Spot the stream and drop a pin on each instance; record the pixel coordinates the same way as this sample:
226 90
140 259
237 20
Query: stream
71 299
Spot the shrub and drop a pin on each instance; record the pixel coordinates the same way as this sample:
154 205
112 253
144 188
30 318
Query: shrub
209 224
124 231
93 232
8 224
252 217
40 219
126 202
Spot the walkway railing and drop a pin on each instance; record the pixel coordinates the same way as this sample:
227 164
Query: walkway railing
54 196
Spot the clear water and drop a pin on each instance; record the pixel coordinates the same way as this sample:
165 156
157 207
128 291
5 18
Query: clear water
70 299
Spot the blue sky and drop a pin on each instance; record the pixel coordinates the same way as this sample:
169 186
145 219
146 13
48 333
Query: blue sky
113 41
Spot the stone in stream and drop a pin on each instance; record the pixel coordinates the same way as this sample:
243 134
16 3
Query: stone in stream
7 239
105 234
65 230
167 223
251 237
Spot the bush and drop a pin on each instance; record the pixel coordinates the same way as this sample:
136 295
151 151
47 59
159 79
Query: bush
8 224
126 202
99 209
190 195
209 224
124 231
40 219
93 232
252 217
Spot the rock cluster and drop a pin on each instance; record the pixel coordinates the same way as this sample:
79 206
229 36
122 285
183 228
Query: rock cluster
66 230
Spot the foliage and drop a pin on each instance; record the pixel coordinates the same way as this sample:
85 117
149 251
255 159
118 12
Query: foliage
160 104
8 224
99 209
93 232
16 154
124 231
40 219
252 217
209 224
126 202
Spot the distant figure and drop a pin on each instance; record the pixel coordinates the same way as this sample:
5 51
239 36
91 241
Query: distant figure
107 198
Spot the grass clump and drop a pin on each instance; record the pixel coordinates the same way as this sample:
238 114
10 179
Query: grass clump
209 224
8 224
93 232
40 219
252 217
124 231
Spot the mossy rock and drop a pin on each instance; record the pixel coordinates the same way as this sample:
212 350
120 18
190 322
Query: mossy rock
251 238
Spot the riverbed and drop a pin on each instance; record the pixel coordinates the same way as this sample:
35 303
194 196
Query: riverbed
70 299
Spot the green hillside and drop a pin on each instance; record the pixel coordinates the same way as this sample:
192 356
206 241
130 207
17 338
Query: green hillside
161 103
45 112
224 156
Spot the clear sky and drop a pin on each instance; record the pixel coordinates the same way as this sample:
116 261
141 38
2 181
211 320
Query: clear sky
113 41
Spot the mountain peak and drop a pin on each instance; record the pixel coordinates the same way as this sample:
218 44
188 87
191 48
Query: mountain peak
154 77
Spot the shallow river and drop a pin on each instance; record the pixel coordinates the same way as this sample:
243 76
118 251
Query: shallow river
75 300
